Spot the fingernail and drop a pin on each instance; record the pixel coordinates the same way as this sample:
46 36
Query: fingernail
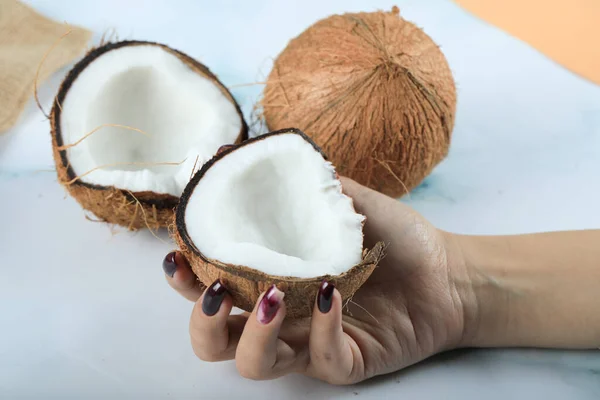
269 305
325 297
213 297
170 264
224 147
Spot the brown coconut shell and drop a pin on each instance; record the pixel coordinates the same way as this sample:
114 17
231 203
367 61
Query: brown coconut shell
373 90
134 210
245 284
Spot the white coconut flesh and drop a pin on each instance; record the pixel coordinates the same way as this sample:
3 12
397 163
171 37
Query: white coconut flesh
185 115
275 205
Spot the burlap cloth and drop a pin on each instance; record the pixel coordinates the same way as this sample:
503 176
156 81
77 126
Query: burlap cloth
25 36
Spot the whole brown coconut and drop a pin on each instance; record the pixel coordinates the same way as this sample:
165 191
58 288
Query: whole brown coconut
133 209
373 90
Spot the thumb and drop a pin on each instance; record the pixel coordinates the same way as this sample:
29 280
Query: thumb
366 201
386 216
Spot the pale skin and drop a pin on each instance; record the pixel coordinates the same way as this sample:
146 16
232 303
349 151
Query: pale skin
434 291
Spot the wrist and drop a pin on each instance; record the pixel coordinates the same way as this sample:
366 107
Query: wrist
477 274
537 290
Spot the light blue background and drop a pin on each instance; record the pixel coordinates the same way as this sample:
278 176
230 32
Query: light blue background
85 311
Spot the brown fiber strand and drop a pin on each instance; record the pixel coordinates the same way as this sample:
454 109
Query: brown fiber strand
362 308
109 35
387 167
171 229
194 167
58 105
92 219
285 96
133 217
39 68
124 202
274 104
68 146
155 216
367 87
143 216
345 306
238 85
78 177
257 122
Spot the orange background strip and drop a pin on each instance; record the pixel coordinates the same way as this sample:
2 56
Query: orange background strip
567 31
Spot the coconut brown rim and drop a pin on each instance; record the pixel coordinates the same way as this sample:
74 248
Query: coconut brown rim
245 284
134 210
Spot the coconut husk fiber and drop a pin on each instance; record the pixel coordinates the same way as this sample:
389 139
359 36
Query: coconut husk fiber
25 39
246 284
133 210
373 91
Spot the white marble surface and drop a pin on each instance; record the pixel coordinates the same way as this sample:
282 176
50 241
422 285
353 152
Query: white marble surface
85 312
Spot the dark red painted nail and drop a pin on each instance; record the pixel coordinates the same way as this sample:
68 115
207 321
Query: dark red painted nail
325 297
170 264
225 147
213 297
270 303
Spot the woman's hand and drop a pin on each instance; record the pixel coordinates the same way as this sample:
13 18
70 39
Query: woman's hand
410 308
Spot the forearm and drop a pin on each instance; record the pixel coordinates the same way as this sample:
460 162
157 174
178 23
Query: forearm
538 290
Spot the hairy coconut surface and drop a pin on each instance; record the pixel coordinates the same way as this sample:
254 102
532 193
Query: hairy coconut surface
180 114
371 89
271 211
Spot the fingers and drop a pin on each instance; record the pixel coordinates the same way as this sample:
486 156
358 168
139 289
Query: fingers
251 339
254 340
215 333
181 277
260 353
334 356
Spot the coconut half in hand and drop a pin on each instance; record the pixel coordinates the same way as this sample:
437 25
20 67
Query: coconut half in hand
154 114
271 211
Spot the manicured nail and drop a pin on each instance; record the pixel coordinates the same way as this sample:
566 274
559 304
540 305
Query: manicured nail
170 264
269 305
224 147
325 297
213 297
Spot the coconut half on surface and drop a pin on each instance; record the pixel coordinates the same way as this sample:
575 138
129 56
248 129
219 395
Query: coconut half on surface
271 211
125 176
